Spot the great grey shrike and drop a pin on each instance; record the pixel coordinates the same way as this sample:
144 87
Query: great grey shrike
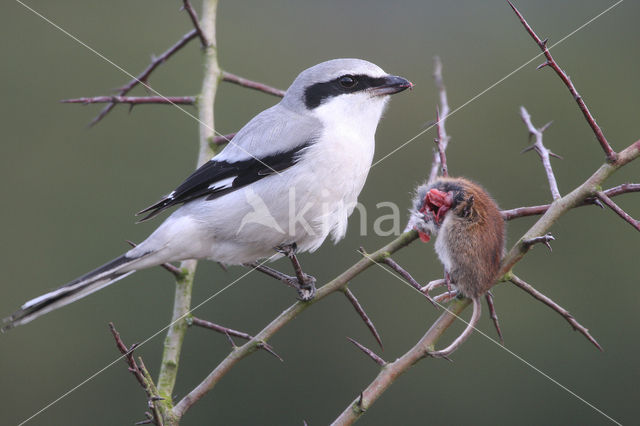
289 178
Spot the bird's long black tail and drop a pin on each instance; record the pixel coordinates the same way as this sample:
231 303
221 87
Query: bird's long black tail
93 281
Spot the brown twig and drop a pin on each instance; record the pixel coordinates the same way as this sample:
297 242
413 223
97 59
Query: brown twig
542 151
133 100
241 81
613 206
138 372
494 315
583 194
407 277
144 75
577 197
360 310
381 362
538 210
393 370
231 332
128 356
186 5
553 305
542 44
444 113
285 317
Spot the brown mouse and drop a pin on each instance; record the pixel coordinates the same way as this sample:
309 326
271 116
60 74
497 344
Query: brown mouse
469 232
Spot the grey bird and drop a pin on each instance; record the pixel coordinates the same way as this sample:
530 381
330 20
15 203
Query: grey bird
288 179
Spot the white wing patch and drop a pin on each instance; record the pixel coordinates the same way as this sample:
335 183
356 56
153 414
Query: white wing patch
223 184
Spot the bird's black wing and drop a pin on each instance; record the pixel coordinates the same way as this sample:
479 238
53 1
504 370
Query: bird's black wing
216 178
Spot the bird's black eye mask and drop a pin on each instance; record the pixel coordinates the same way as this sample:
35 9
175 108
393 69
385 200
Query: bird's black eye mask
315 94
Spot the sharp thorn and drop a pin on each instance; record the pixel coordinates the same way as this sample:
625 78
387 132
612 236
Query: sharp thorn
233 344
527 149
545 127
269 349
553 154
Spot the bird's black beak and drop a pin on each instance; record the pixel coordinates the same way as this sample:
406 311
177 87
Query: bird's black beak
391 84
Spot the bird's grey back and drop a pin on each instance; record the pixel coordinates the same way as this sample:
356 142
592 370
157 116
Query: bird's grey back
275 130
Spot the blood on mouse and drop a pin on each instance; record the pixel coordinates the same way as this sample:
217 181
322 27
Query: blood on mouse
438 202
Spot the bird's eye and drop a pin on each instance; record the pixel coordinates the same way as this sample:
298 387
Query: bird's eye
347 81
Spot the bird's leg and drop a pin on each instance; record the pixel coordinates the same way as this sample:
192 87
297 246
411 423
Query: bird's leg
304 283
444 353
288 280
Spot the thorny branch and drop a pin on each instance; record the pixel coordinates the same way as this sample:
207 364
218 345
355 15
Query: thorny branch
144 75
494 315
133 100
541 209
241 81
231 332
542 151
139 371
583 195
553 305
443 138
440 145
287 316
186 5
376 358
602 196
542 44
407 277
360 310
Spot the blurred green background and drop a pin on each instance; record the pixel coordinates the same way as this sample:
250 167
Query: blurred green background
69 194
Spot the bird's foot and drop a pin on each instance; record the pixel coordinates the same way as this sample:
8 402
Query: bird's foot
306 289
304 283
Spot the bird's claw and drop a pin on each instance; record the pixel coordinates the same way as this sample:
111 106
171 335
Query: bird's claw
306 289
